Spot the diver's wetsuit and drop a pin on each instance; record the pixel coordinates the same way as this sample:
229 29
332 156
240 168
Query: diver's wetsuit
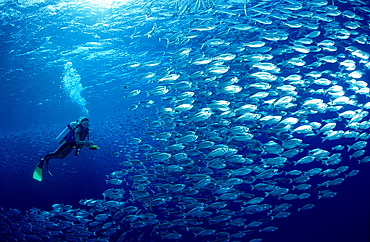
61 152
80 135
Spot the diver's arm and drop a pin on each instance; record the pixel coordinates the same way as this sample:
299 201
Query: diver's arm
79 141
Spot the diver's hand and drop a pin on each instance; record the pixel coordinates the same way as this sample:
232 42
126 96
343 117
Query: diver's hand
88 143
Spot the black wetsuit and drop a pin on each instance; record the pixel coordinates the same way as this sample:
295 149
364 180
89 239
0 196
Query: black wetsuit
80 135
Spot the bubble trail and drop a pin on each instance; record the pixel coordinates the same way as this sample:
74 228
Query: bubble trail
73 87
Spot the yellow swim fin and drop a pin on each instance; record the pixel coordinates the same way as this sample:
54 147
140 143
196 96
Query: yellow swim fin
37 174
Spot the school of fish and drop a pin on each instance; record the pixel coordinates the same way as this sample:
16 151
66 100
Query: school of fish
240 100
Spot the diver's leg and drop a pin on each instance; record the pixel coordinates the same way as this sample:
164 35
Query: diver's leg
60 153
65 151
41 162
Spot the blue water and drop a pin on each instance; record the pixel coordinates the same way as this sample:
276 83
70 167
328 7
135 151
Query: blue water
103 43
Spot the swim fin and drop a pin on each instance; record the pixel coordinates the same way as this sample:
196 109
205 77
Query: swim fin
37 174
47 168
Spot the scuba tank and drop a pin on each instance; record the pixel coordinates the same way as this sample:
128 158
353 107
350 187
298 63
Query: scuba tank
62 136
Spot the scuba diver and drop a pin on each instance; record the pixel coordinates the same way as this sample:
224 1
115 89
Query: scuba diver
72 137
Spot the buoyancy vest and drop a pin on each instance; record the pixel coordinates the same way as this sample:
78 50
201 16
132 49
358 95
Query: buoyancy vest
70 138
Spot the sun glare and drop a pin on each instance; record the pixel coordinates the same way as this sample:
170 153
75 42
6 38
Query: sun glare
108 3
